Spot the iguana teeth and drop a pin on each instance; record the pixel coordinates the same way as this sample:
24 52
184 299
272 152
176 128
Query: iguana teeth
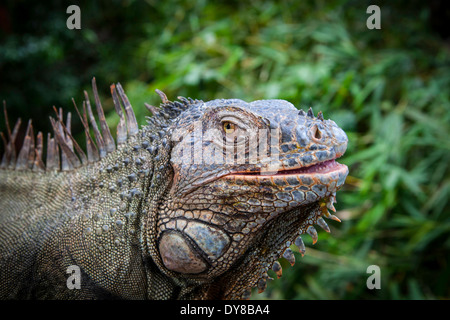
277 268
289 256
313 233
301 246
321 222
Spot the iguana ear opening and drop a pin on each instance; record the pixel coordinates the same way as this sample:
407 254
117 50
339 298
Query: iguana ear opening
177 255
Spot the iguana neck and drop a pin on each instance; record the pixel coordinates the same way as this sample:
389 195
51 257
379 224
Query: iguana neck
116 201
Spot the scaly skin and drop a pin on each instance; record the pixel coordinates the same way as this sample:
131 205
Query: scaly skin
150 220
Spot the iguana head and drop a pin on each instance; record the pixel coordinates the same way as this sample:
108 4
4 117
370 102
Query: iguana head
248 179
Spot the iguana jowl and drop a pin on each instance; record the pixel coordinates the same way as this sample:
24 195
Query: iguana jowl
142 221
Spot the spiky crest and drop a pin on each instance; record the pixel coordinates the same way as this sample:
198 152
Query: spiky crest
63 151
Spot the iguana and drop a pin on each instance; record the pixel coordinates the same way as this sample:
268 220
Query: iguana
199 203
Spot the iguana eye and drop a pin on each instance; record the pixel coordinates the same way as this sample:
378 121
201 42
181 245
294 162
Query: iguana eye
229 127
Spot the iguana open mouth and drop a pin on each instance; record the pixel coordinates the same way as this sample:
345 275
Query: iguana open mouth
321 167
317 168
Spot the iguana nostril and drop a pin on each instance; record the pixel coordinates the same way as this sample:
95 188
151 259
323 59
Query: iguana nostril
316 134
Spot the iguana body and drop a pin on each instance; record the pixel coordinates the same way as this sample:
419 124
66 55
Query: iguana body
160 215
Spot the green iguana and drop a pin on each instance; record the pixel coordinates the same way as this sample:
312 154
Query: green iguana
198 204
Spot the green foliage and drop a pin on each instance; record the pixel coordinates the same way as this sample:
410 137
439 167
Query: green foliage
387 88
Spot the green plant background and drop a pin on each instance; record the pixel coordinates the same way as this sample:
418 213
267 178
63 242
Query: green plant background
388 89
